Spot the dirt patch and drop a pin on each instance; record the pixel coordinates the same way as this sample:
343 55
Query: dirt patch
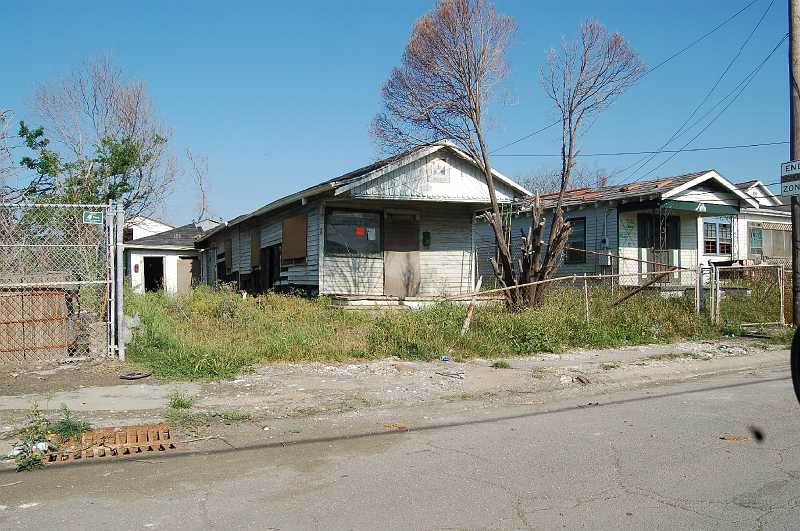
43 379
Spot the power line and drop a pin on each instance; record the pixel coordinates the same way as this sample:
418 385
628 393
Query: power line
680 130
649 71
749 79
622 153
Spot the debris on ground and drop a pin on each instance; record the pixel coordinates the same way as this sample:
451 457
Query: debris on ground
456 375
445 358
134 375
396 426
581 379
732 437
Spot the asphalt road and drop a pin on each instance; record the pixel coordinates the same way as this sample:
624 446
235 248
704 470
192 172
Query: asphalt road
650 458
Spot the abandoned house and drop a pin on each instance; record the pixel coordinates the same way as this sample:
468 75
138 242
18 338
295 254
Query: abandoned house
398 229
659 221
165 260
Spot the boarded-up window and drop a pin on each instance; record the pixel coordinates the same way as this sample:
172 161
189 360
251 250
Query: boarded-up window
255 249
294 238
228 256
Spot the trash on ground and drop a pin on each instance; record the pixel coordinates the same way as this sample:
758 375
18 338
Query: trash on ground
456 375
134 375
581 379
396 426
445 358
732 437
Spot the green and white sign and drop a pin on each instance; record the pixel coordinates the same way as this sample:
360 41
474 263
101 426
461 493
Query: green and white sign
92 218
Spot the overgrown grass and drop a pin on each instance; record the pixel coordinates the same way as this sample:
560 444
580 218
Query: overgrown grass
207 334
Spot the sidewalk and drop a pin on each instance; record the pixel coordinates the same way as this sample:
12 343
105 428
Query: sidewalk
285 391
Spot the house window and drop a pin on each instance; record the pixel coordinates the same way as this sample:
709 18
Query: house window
756 241
577 240
717 238
353 233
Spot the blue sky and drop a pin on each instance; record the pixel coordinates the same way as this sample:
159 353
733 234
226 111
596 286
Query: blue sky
279 96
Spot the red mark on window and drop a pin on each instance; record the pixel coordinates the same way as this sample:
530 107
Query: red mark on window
361 231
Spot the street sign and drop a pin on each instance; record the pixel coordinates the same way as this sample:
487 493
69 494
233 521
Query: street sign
790 178
92 218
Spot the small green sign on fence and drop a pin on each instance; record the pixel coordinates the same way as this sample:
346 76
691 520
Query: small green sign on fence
92 218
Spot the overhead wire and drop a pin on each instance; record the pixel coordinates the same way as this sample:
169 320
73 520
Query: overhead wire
647 72
682 128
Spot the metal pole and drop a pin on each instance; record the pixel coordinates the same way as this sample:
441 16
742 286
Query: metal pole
586 297
794 153
698 289
781 287
118 277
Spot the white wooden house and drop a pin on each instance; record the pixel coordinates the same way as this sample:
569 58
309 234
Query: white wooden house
649 221
398 229
754 235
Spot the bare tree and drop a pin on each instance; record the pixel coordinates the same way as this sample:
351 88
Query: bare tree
582 78
199 171
96 108
546 181
452 63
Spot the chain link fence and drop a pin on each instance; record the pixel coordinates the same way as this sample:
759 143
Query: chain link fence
747 295
57 289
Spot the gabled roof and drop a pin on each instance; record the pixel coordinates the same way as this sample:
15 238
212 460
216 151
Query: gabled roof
759 191
179 238
349 180
662 188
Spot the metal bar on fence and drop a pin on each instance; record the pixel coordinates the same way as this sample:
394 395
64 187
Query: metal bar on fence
586 297
119 221
781 287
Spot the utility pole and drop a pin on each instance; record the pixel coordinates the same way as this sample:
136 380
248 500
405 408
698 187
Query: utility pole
794 147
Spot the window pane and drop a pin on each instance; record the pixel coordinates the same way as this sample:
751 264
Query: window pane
756 241
353 233
577 239
724 231
724 248
710 230
710 247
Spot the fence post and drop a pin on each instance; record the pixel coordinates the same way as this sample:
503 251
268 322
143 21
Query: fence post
119 218
717 297
586 296
781 287
698 290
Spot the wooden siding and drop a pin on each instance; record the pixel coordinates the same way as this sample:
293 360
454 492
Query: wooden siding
601 224
441 176
445 266
712 196
269 231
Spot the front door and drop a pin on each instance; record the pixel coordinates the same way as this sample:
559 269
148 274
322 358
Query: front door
401 276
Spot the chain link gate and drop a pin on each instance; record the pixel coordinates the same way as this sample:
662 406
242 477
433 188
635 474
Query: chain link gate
58 282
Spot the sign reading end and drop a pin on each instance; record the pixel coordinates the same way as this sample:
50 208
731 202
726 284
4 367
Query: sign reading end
92 218
790 178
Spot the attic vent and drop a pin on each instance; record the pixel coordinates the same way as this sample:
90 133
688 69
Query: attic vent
440 171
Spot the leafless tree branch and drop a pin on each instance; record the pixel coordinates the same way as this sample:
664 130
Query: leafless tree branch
199 169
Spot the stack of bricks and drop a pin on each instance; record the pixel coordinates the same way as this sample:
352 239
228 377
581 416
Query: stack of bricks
116 442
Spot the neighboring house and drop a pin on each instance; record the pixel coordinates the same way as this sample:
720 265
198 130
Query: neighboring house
655 221
140 226
400 228
755 235
166 260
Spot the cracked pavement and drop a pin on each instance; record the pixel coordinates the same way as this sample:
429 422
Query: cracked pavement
649 457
